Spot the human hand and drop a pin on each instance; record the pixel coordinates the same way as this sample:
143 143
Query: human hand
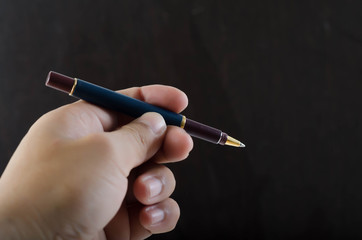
83 172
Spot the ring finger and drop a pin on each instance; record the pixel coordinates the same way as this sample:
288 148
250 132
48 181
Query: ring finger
154 183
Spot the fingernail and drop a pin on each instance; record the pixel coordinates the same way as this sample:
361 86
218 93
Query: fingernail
155 122
154 186
157 215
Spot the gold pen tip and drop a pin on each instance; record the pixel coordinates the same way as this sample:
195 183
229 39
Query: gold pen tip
234 142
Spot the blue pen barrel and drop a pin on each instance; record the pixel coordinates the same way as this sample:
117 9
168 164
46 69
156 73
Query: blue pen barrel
118 102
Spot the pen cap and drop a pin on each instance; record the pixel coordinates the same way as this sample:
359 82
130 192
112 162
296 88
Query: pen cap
60 82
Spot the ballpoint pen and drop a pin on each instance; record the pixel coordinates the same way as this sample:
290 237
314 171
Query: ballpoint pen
135 108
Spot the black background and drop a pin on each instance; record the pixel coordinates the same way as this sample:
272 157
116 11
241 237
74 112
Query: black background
282 76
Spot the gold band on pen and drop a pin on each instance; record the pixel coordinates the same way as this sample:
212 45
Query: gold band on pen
73 88
183 122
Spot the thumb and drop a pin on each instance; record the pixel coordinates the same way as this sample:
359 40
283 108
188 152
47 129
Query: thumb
139 140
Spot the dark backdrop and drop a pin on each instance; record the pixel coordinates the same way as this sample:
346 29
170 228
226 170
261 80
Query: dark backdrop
282 76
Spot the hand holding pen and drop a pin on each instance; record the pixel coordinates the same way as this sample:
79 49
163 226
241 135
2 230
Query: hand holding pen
82 172
133 107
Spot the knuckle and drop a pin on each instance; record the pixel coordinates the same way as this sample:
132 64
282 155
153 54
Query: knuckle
104 151
135 134
99 143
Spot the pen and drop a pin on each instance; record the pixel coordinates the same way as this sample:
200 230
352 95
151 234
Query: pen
135 108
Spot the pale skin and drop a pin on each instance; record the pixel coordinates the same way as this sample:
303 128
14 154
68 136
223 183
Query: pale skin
82 172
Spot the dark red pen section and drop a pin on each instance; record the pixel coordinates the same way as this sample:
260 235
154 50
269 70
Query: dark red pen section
60 82
205 132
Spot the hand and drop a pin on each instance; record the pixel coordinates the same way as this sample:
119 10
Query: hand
83 172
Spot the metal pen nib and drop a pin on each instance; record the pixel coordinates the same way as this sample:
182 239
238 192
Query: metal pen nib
233 142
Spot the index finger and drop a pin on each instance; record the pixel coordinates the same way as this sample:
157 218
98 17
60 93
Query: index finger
163 96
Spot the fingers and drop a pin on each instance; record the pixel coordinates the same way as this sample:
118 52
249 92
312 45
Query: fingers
154 212
153 188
